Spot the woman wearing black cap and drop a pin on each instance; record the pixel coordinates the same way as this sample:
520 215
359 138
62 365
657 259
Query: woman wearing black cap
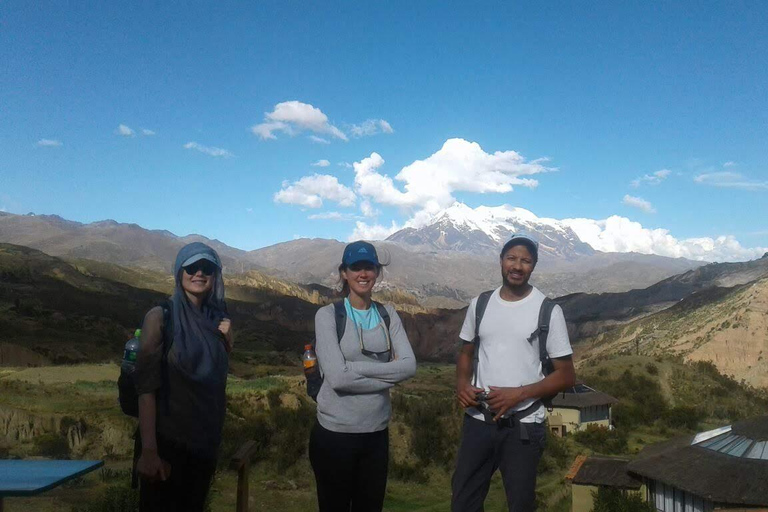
349 444
181 378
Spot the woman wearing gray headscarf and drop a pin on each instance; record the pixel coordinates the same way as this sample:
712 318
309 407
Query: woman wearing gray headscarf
181 378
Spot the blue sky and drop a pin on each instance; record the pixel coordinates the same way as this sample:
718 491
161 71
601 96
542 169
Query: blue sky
205 118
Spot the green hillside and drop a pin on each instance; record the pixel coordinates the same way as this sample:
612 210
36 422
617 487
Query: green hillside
53 311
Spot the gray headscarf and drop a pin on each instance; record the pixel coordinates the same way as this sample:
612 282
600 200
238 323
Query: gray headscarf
197 342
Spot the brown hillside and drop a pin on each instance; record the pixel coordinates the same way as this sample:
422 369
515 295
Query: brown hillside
726 326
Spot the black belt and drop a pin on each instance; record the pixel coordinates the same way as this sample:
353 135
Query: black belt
512 420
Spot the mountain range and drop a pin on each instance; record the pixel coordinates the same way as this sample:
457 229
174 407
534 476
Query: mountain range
78 310
444 263
484 230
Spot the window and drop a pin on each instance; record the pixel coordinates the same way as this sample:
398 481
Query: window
667 498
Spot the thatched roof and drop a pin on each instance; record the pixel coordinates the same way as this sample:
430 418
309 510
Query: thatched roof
606 471
710 470
581 396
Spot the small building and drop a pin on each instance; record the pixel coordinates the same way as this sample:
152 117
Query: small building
590 473
721 469
577 407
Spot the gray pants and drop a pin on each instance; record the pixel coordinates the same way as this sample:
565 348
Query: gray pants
487 447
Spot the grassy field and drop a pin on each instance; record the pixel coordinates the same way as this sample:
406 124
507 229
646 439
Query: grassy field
49 405
87 393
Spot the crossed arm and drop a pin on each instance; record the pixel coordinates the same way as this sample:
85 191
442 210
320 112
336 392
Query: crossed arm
361 377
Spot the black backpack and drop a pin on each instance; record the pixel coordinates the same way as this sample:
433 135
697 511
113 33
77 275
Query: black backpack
541 333
315 380
126 386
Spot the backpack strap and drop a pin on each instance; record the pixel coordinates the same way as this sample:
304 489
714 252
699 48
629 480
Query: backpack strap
480 307
340 313
383 313
542 332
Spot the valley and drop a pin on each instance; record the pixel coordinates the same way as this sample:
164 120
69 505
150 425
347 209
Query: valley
685 353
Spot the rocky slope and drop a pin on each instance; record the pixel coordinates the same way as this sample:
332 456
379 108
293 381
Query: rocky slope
590 314
727 326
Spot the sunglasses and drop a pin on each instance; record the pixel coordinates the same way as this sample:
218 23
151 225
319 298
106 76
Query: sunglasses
372 352
205 266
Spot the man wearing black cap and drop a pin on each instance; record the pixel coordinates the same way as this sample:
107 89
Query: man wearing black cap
500 381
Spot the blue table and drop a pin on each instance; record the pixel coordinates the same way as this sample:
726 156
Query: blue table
30 477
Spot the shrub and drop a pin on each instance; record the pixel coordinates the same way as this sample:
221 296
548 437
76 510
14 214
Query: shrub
53 446
290 434
652 369
280 433
408 472
115 498
556 455
602 440
608 499
434 429
641 399
683 417
273 398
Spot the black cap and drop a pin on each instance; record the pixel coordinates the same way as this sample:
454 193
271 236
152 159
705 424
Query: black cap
522 239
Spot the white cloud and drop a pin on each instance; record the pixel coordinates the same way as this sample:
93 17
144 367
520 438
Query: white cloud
346 165
638 202
218 152
292 117
427 185
125 131
318 140
265 130
729 179
368 209
651 179
370 127
619 234
365 231
50 143
729 164
459 166
147 132
321 163
338 216
310 191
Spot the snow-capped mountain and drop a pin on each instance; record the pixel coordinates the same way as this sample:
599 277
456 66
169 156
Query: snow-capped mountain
485 229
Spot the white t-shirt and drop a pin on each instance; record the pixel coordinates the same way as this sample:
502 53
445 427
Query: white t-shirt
506 358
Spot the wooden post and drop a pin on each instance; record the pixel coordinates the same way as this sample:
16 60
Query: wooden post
241 462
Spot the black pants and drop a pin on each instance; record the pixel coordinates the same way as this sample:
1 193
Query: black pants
187 487
487 447
350 469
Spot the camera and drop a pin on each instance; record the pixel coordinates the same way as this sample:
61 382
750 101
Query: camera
482 404
482 401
